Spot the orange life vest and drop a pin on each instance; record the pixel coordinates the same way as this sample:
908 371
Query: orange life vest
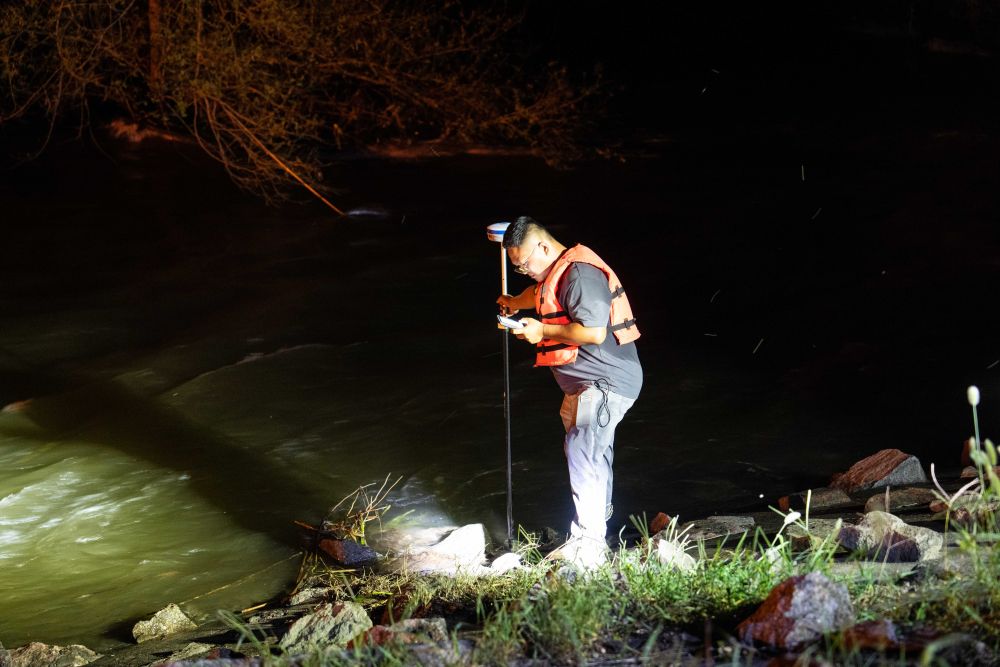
553 353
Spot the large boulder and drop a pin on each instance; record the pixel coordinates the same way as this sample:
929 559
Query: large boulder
798 611
37 654
330 625
889 467
168 621
886 537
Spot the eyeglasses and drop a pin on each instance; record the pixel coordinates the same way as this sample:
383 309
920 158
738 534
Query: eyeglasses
522 268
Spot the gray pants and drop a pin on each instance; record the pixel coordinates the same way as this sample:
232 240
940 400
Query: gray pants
590 423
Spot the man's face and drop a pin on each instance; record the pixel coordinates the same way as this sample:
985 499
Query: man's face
529 259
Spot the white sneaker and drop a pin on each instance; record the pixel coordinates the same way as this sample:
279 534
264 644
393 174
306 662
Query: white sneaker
584 553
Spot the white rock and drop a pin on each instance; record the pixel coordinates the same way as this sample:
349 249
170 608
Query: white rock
668 553
819 606
462 551
877 529
37 654
506 563
330 624
168 621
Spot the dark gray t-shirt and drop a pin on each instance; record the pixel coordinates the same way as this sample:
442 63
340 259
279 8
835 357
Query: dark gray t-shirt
583 292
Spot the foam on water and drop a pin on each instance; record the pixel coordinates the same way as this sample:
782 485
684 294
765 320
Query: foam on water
94 537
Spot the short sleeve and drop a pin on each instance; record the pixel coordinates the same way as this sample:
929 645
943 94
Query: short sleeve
584 294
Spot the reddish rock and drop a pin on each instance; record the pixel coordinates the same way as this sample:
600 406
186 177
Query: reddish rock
871 635
971 472
967 451
660 521
348 552
409 631
889 467
377 635
799 610
220 653
770 624
937 506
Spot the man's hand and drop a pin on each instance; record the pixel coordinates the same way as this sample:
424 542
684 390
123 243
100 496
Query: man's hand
506 303
573 333
532 331
523 301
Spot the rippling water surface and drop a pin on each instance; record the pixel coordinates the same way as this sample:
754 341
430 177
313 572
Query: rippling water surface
188 371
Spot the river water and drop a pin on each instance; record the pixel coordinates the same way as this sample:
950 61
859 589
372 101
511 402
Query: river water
201 370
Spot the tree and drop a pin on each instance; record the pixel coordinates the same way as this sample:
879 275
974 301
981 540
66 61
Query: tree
260 85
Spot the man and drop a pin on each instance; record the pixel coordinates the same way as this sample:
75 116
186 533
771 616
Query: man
585 333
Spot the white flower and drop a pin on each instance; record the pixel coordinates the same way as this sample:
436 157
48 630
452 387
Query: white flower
791 517
972 393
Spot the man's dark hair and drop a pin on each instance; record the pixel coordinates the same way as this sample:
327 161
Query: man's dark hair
519 230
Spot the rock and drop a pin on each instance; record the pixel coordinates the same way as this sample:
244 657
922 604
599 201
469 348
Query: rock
819 531
270 616
194 649
670 554
866 571
820 499
717 526
463 550
348 552
889 467
799 610
886 537
659 522
967 445
329 625
221 661
168 621
506 563
441 655
37 654
953 564
422 629
877 635
971 472
410 631
983 514
467 544
377 635
900 499
309 596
